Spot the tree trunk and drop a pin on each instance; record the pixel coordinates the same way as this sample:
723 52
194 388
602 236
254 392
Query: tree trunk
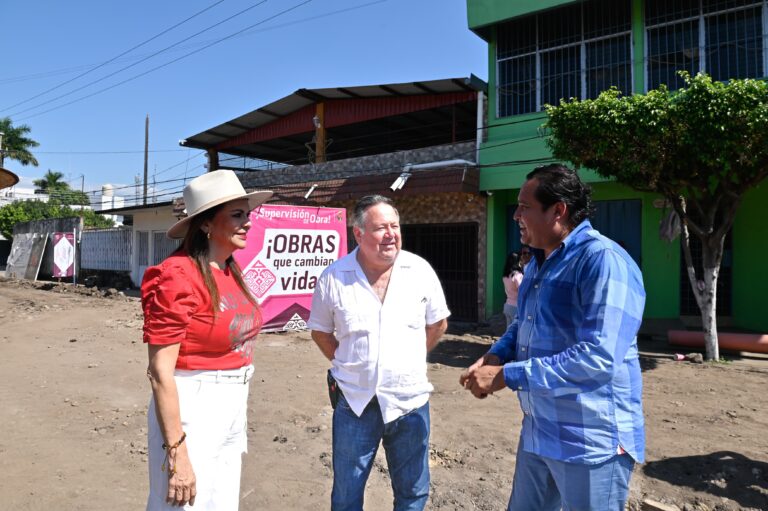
712 255
704 290
708 307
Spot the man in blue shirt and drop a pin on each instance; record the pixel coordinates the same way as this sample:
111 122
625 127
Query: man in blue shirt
571 354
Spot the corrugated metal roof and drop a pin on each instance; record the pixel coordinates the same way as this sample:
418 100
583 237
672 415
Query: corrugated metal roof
421 182
303 98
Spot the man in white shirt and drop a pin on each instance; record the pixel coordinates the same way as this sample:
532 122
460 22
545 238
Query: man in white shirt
376 313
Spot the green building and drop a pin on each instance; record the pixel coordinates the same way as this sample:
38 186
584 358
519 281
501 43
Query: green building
542 51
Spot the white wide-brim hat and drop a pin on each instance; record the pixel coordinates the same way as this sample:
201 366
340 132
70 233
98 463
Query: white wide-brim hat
210 190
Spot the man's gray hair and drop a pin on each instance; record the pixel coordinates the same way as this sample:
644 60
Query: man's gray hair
367 202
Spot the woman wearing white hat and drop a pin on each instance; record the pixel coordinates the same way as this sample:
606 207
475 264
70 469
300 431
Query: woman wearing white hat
200 322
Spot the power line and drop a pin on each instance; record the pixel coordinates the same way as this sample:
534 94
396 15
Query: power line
111 152
176 190
71 69
114 58
172 61
181 163
358 172
136 63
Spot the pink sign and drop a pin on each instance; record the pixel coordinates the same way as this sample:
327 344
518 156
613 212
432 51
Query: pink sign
63 254
288 248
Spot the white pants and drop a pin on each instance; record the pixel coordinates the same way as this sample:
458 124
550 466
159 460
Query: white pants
213 406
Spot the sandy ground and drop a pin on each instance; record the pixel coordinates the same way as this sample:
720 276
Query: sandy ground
73 421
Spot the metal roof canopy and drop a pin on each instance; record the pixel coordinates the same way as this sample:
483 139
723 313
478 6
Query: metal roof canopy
130 210
7 178
421 126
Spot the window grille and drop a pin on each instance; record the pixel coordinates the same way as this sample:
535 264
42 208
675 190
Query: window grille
451 250
575 51
724 38
163 246
142 242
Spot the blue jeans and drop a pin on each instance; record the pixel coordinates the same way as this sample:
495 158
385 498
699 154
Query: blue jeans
355 442
545 484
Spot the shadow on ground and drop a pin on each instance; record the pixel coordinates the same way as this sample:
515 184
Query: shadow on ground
458 352
722 474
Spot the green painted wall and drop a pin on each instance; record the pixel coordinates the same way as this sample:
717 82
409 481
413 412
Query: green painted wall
482 13
750 266
660 259
497 248
510 140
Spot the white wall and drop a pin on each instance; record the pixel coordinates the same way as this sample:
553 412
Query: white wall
152 221
15 193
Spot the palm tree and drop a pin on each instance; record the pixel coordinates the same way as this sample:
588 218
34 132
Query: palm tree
51 182
15 143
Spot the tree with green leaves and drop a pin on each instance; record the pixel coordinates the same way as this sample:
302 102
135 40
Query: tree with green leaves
702 147
16 144
50 182
26 211
52 185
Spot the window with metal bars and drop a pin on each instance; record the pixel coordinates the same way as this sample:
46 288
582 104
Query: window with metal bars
576 51
724 38
142 244
162 246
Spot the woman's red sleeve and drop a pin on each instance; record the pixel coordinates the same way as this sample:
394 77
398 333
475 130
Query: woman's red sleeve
168 301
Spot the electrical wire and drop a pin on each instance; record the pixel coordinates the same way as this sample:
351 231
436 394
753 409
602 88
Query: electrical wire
285 11
111 152
99 66
176 190
67 70
140 61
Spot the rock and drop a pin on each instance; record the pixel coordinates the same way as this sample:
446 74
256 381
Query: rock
652 505
696 358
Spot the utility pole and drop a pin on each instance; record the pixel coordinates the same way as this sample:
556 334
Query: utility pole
2 153
146 156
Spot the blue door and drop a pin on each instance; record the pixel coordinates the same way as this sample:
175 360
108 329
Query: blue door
619 220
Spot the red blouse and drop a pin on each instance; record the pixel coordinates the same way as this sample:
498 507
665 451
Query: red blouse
177 309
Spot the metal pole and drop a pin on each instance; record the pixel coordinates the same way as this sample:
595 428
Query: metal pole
146 156
2 153
74 256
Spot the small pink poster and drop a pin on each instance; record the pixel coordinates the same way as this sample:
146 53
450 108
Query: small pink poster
288 248
63 254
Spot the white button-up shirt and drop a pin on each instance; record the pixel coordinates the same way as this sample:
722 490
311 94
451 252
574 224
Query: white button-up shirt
382 348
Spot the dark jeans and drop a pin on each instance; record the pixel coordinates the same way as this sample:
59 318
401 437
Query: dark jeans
355 442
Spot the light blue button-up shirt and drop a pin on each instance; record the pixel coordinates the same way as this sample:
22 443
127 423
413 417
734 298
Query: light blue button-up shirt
572 355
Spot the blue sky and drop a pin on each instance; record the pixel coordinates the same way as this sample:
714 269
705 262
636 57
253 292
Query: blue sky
320 43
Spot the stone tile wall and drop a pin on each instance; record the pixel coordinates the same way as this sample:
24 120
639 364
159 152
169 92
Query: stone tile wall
364 166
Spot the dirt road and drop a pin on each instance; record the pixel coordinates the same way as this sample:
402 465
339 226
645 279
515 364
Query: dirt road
73 421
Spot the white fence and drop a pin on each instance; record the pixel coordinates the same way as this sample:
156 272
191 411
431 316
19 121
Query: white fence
106 249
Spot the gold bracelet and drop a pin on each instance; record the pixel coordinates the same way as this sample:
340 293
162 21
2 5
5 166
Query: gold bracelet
177 444
168 449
